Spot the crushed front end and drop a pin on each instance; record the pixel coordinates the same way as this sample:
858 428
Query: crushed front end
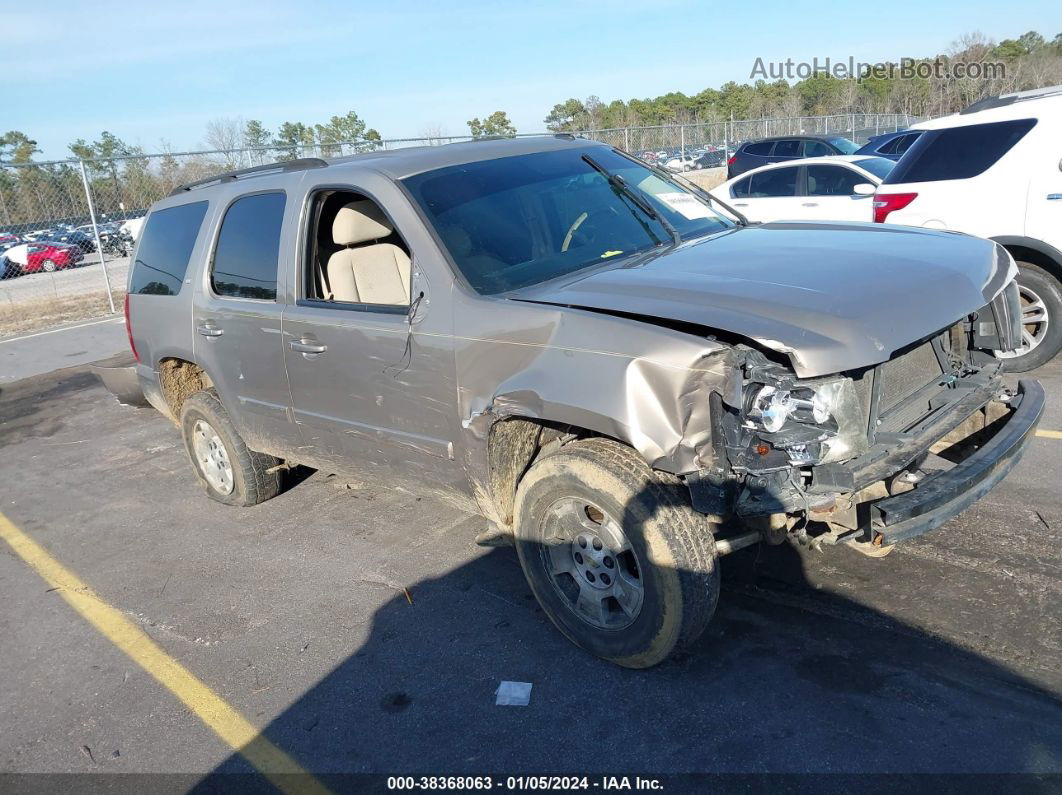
872 456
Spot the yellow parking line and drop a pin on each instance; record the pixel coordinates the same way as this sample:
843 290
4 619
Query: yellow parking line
1050 434
235 730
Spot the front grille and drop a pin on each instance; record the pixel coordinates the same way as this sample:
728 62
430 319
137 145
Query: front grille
899 382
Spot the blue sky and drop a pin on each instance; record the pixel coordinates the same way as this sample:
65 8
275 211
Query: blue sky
149 72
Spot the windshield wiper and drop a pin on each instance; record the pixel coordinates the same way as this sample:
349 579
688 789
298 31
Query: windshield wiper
619 184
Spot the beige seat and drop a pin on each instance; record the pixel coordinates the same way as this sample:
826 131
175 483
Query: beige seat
377 273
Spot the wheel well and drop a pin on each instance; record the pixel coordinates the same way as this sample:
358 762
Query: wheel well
1031 255
179 380
512 446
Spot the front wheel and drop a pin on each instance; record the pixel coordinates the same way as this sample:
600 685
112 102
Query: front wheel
227 469
615 554
1041 318
49 266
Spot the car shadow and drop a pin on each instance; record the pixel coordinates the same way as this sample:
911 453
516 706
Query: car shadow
793 675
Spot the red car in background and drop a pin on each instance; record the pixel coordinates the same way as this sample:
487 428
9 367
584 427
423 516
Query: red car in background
51 257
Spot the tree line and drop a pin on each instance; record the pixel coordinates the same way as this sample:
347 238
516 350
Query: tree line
1030 61
125 179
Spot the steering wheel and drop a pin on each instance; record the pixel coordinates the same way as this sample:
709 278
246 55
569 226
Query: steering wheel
578 222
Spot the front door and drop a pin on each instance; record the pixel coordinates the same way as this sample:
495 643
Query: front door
371 374
830 195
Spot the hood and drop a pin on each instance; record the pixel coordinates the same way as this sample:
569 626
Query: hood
833 296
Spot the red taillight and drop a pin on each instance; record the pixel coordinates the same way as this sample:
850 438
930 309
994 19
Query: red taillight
731 160
885 203
129 329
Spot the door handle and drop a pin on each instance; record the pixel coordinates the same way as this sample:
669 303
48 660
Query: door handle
1053 197
810 204
306 346
209 330
741 204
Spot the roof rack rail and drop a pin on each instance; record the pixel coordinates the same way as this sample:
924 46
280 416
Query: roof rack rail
301 164
1009 99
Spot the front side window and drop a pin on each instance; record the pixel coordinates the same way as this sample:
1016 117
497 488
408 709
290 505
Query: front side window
516 221
817 149
832 181
958 152
165 248
843 145
773 183
248 249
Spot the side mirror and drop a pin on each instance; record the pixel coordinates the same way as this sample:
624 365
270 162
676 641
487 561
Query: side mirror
864 189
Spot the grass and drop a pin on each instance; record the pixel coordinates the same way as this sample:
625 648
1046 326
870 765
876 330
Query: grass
39 313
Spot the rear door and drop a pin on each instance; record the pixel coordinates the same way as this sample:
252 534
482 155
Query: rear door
237 321
787 149
769 195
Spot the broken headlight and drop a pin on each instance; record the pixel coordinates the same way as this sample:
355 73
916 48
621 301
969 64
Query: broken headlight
814 423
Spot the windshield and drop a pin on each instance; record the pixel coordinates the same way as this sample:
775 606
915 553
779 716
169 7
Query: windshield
516 221
845 146
878 166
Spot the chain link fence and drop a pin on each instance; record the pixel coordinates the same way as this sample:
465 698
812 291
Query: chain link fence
68 227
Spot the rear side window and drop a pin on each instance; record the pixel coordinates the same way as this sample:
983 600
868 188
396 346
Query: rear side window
775 182
898 145
787 149
958 152
248 249
165 248
762 148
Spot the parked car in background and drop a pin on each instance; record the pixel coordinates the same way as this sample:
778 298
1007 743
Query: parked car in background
628 384
45 257
682 163
8 239
132 227
753 154
891 145
836 188
995 170
73 237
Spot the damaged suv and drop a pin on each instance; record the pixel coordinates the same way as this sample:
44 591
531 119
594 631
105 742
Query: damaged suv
627 380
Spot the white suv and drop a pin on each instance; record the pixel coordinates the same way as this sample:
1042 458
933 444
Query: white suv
995 171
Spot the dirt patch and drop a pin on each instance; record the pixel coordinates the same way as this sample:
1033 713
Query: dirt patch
38 313
180 380
707 178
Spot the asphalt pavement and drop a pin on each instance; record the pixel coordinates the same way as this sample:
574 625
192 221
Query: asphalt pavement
361 630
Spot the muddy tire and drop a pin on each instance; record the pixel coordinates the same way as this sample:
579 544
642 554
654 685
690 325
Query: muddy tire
227 469
619 561
1041 300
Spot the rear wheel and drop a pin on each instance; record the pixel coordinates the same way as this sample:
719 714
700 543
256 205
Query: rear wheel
1041 317
227 469
615 554
49 266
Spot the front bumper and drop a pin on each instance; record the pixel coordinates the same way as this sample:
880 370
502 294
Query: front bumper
942 496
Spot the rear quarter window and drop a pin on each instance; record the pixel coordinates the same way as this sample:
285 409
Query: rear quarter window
165 248
763 148
958 152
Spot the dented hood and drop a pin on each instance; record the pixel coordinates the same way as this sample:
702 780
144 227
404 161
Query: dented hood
833 296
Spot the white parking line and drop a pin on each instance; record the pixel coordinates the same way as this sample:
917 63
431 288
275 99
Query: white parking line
64 328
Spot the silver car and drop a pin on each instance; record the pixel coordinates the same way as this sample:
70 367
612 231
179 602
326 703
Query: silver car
629 381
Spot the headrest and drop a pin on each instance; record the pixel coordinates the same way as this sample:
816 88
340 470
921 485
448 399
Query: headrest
457 240
359 222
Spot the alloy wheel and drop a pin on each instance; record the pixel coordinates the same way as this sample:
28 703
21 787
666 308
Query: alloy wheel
591 564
